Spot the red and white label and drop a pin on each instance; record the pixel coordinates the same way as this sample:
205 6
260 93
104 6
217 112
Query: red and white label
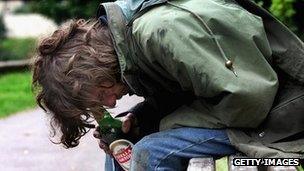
122 152
124 155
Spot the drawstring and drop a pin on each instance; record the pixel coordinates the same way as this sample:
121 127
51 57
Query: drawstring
228 63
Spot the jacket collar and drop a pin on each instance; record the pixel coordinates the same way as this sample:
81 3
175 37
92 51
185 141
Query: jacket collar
117 26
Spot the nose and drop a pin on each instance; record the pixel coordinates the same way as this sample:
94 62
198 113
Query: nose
110 101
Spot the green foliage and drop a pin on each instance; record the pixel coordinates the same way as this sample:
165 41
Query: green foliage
300 168
284 11
289 12
14 49
2 28
61 10
222 163
15 92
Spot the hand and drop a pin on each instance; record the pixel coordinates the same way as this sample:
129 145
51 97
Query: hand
128 126
102 143
128 123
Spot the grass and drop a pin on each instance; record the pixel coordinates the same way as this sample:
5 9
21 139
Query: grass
15 49
300 168
15 92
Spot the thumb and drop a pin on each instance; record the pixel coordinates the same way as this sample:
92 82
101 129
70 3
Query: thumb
126 125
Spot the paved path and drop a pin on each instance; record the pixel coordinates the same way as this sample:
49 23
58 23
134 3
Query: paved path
25 144
24 25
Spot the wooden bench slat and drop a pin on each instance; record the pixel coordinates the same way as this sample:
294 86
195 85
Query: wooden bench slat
201 164
5 65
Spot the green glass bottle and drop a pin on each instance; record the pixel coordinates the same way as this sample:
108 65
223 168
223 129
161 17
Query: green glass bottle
110 128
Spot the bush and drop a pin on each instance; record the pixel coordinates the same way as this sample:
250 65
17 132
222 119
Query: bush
290 12
15 49
61 10
2 28
284 11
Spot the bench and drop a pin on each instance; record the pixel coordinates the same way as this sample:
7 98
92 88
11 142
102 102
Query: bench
15 64
225 164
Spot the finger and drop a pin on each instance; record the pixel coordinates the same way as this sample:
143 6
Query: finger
127 122
126 125
102 145
105 148
96 134
108 151
130 115
98 128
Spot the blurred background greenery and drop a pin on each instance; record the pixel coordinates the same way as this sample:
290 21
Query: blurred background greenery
15 92
290 12
15 86
16 48
61 10
2 28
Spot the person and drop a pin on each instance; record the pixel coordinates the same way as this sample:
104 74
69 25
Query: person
205 69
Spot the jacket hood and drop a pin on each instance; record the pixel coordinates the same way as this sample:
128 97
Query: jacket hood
130 7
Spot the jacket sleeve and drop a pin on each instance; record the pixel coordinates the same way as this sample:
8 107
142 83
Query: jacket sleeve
188 64
154 108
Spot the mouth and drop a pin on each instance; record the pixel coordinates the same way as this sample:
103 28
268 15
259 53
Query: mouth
112 105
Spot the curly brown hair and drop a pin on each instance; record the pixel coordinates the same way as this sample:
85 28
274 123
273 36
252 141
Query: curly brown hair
76 58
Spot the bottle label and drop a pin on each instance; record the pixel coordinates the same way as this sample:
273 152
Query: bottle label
124 155
122 152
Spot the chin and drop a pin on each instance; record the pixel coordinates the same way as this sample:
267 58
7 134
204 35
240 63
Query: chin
111 105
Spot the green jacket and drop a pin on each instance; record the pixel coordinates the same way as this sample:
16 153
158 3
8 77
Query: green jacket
175 54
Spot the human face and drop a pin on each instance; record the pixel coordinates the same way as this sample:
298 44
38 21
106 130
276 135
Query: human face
108 96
